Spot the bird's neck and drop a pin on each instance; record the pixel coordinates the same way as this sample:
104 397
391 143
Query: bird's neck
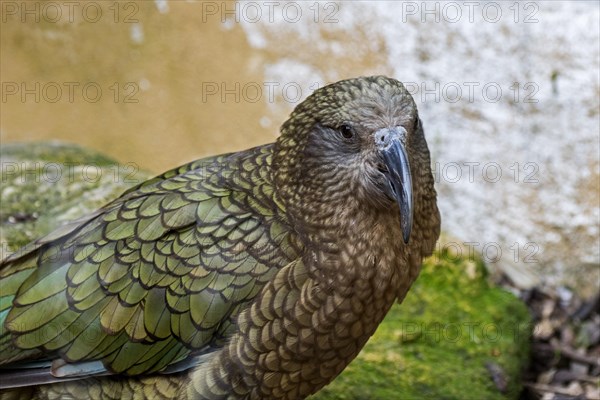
358 255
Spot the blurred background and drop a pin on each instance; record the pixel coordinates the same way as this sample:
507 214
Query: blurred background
508 93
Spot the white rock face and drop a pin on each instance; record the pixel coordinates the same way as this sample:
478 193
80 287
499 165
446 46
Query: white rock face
509 97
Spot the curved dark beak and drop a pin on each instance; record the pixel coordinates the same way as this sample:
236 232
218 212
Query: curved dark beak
390 142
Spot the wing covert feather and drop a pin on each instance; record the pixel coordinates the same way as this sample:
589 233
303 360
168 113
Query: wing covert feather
155 276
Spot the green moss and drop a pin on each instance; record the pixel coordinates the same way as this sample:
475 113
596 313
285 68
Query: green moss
452 329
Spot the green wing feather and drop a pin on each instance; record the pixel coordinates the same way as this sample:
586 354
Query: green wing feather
155 276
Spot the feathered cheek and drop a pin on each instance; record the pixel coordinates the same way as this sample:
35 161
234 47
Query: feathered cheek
371 186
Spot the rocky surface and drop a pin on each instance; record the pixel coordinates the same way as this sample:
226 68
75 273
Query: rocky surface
47 184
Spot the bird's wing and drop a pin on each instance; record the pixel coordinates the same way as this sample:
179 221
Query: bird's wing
152 279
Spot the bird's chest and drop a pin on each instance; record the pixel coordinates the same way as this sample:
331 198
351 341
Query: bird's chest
373 262
362 284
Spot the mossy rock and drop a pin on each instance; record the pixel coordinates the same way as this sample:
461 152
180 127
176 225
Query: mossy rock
454 336
46 184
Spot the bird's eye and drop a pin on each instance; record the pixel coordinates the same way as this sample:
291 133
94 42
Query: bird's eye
346 131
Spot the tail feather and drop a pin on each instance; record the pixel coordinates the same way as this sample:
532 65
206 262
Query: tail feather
23 376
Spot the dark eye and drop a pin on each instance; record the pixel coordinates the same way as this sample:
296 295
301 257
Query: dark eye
346 131
416 124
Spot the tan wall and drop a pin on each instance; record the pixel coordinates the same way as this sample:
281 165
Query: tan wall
170 123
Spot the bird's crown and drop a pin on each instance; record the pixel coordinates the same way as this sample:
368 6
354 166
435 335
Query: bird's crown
367 99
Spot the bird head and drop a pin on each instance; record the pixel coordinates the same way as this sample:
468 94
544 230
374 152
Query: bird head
353 139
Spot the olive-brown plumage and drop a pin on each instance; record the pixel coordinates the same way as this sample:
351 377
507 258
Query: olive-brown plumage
252 275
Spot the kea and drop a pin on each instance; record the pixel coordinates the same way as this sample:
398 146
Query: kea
251 275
